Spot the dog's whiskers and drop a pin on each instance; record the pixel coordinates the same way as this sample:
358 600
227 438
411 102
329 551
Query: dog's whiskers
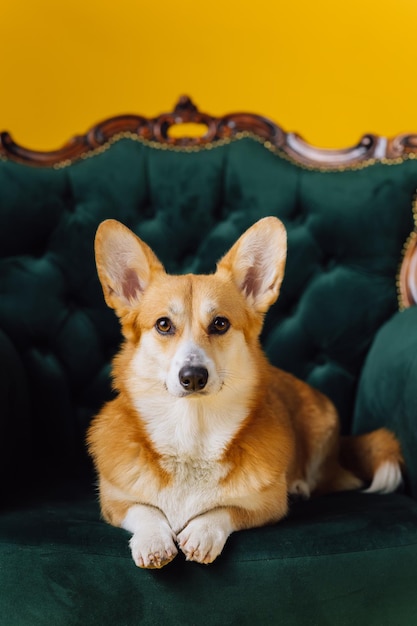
232 380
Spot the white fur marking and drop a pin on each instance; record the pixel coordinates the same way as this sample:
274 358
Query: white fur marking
189 353
200 426
386 480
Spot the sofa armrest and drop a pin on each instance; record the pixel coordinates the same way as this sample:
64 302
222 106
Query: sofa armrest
14 419
387 394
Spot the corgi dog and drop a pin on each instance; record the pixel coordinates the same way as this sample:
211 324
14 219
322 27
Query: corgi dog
205 436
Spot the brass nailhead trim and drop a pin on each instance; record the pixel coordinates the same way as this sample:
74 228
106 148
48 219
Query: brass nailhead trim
222 142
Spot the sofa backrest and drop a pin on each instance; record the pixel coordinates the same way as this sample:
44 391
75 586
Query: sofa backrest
346 231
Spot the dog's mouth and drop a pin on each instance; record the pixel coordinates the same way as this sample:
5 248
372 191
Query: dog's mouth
199 393
194 394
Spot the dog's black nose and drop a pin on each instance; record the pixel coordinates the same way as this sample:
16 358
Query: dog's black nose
193 378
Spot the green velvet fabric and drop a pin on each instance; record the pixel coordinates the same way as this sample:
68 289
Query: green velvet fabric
15 432
388 387
346 559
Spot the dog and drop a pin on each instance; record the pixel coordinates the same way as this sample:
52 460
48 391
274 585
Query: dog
205 436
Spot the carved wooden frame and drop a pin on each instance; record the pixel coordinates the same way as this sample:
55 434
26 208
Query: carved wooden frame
227 126
370 148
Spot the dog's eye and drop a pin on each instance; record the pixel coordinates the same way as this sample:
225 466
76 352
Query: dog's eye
164 326
219 326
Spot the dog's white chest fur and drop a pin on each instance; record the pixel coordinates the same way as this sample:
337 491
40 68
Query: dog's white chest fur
194 487
191 427
191 438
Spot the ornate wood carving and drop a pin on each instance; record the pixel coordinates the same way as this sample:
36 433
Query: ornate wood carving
218 128
157 129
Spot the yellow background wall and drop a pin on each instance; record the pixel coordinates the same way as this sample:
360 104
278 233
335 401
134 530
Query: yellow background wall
329 70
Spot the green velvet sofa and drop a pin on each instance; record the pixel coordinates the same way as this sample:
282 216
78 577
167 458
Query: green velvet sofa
339 560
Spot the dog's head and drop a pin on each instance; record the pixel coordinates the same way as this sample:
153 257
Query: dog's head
191 335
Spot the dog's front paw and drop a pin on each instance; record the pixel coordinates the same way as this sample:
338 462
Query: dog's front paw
203 538
153 549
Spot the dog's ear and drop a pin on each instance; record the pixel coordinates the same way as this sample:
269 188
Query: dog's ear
257 262
125 265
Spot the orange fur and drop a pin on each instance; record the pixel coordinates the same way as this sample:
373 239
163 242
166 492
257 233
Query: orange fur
186 468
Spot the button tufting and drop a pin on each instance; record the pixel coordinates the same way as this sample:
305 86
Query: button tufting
330 264
321 360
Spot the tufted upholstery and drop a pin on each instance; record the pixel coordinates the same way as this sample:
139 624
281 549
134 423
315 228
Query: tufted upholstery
346 559
346 231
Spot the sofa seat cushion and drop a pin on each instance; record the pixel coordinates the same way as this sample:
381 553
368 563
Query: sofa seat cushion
336 560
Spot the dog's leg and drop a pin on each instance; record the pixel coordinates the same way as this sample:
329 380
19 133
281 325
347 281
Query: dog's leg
153 541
